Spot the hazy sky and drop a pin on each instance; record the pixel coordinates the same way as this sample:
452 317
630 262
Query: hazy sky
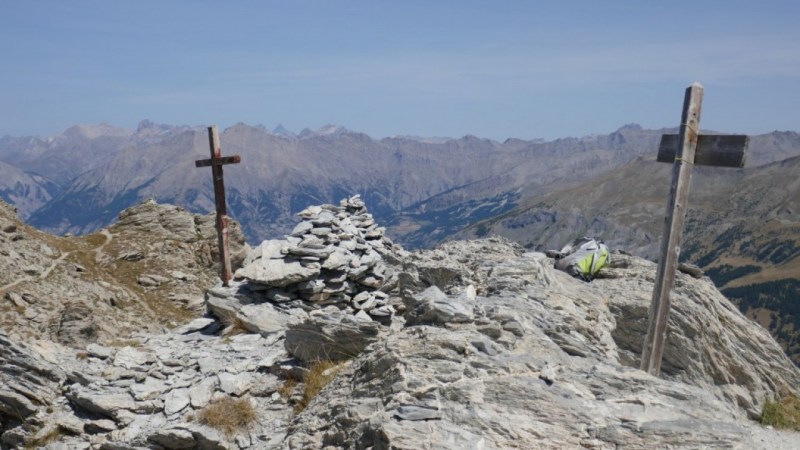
494 69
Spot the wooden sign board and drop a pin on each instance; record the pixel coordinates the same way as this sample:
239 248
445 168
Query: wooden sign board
235 159
719 150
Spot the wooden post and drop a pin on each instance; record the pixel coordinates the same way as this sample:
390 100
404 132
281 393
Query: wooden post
670 243
683 150
216 162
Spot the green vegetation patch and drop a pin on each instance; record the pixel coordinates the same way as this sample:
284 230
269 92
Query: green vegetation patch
781 297
774 251
723 243
782 412
778 295
721 275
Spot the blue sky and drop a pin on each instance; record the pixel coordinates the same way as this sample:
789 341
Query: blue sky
494 69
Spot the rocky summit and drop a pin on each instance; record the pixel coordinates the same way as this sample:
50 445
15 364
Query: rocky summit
336 338
147 271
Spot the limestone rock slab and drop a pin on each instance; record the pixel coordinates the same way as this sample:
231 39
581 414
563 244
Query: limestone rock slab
277 272
330 335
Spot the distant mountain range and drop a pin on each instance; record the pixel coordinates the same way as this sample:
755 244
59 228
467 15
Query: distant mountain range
743 225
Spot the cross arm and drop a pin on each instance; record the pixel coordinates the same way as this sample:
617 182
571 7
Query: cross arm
235 159
721 150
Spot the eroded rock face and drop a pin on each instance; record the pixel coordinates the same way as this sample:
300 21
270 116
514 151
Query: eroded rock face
433 307
330 334
708 344
76 326
546 362
29 385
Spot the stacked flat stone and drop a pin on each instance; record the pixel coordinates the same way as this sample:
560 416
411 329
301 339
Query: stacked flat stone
334 256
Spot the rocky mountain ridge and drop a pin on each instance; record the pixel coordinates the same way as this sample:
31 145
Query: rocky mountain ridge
26 191
485 344
96 171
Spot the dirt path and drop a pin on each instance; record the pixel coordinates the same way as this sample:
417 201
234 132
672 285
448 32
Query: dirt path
46 272
767 438
49 269
98 250
3 289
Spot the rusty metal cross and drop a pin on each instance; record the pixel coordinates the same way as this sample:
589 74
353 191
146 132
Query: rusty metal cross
216 162
684 150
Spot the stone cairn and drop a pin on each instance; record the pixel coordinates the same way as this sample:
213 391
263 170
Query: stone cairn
334 256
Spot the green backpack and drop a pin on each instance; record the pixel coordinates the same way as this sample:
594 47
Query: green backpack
583 258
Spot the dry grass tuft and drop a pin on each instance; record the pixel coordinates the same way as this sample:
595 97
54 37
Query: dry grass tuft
228 415
319 375
287 388
783 412
124 343
233 325
95 240
49 437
